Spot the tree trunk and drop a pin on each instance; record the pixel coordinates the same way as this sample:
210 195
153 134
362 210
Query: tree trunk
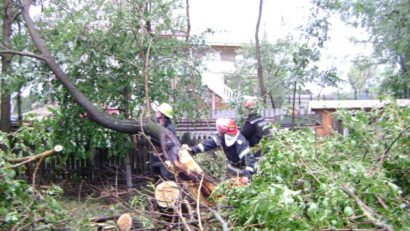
127 160
19 111
272 101
5 124
188 22
258 55
293 105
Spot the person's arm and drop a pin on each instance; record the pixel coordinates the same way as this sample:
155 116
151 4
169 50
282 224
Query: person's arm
207 145
250 166
245 154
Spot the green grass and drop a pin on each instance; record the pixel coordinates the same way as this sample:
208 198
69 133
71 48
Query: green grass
79 212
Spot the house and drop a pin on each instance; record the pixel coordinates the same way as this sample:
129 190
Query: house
219 62
325 108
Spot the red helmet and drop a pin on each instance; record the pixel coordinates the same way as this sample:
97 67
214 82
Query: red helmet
250 102
227 126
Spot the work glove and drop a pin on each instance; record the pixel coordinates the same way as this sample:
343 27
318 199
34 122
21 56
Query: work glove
194 150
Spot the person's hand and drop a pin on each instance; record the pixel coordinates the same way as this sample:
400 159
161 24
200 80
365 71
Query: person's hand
186 147
244 180
240 181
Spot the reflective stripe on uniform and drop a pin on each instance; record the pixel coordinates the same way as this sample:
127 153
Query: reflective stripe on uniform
216 141
256 120
201 147
244 153
250 169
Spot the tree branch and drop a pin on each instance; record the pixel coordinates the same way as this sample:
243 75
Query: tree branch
388 149
27 160
21 54
125 126
368 212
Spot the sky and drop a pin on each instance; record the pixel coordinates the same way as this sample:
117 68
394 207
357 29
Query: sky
234 21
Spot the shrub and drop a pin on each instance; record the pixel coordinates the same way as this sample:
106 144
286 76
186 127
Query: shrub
356 181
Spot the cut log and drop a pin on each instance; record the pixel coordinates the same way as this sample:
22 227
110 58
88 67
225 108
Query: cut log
124 222
167 194
187 164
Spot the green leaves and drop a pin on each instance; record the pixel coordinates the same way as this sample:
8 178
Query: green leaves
387 23
308 183
18 205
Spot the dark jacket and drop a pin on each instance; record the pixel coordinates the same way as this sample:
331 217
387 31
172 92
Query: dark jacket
168 125
255 128
238 154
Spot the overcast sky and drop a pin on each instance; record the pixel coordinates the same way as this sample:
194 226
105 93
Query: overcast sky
234 21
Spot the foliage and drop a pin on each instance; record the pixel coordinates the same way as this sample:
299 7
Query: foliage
212 163
106 52
274 58
80 136
388 23
236 103
359 75
356 181
23 206
103 48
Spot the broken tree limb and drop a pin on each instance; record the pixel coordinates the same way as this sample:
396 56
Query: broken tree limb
25 160
169 143
368 212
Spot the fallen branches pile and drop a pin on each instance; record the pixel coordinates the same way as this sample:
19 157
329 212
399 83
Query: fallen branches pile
166 205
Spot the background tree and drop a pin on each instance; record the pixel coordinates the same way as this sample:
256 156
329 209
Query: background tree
388 23
258 55
274 59
307 54
8 15
359 75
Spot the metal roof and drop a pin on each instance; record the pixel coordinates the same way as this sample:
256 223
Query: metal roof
352 104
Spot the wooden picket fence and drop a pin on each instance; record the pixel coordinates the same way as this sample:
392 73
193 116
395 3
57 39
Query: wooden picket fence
101 167
104 166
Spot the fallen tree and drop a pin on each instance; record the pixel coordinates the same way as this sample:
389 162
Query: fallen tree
169 143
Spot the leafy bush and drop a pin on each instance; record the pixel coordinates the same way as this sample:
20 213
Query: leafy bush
212 163
356 181
21 207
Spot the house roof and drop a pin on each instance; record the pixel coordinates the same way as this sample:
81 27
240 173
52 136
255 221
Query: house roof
39 113
352 104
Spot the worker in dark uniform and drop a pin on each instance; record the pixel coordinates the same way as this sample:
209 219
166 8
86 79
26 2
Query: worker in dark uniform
255 126
237 151
163 116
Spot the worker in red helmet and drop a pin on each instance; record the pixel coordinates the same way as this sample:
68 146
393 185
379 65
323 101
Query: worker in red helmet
236 148
255 126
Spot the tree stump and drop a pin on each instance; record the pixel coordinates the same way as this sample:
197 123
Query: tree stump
167 193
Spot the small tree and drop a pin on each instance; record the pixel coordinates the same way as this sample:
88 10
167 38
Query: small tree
388 24
274 58
359 75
